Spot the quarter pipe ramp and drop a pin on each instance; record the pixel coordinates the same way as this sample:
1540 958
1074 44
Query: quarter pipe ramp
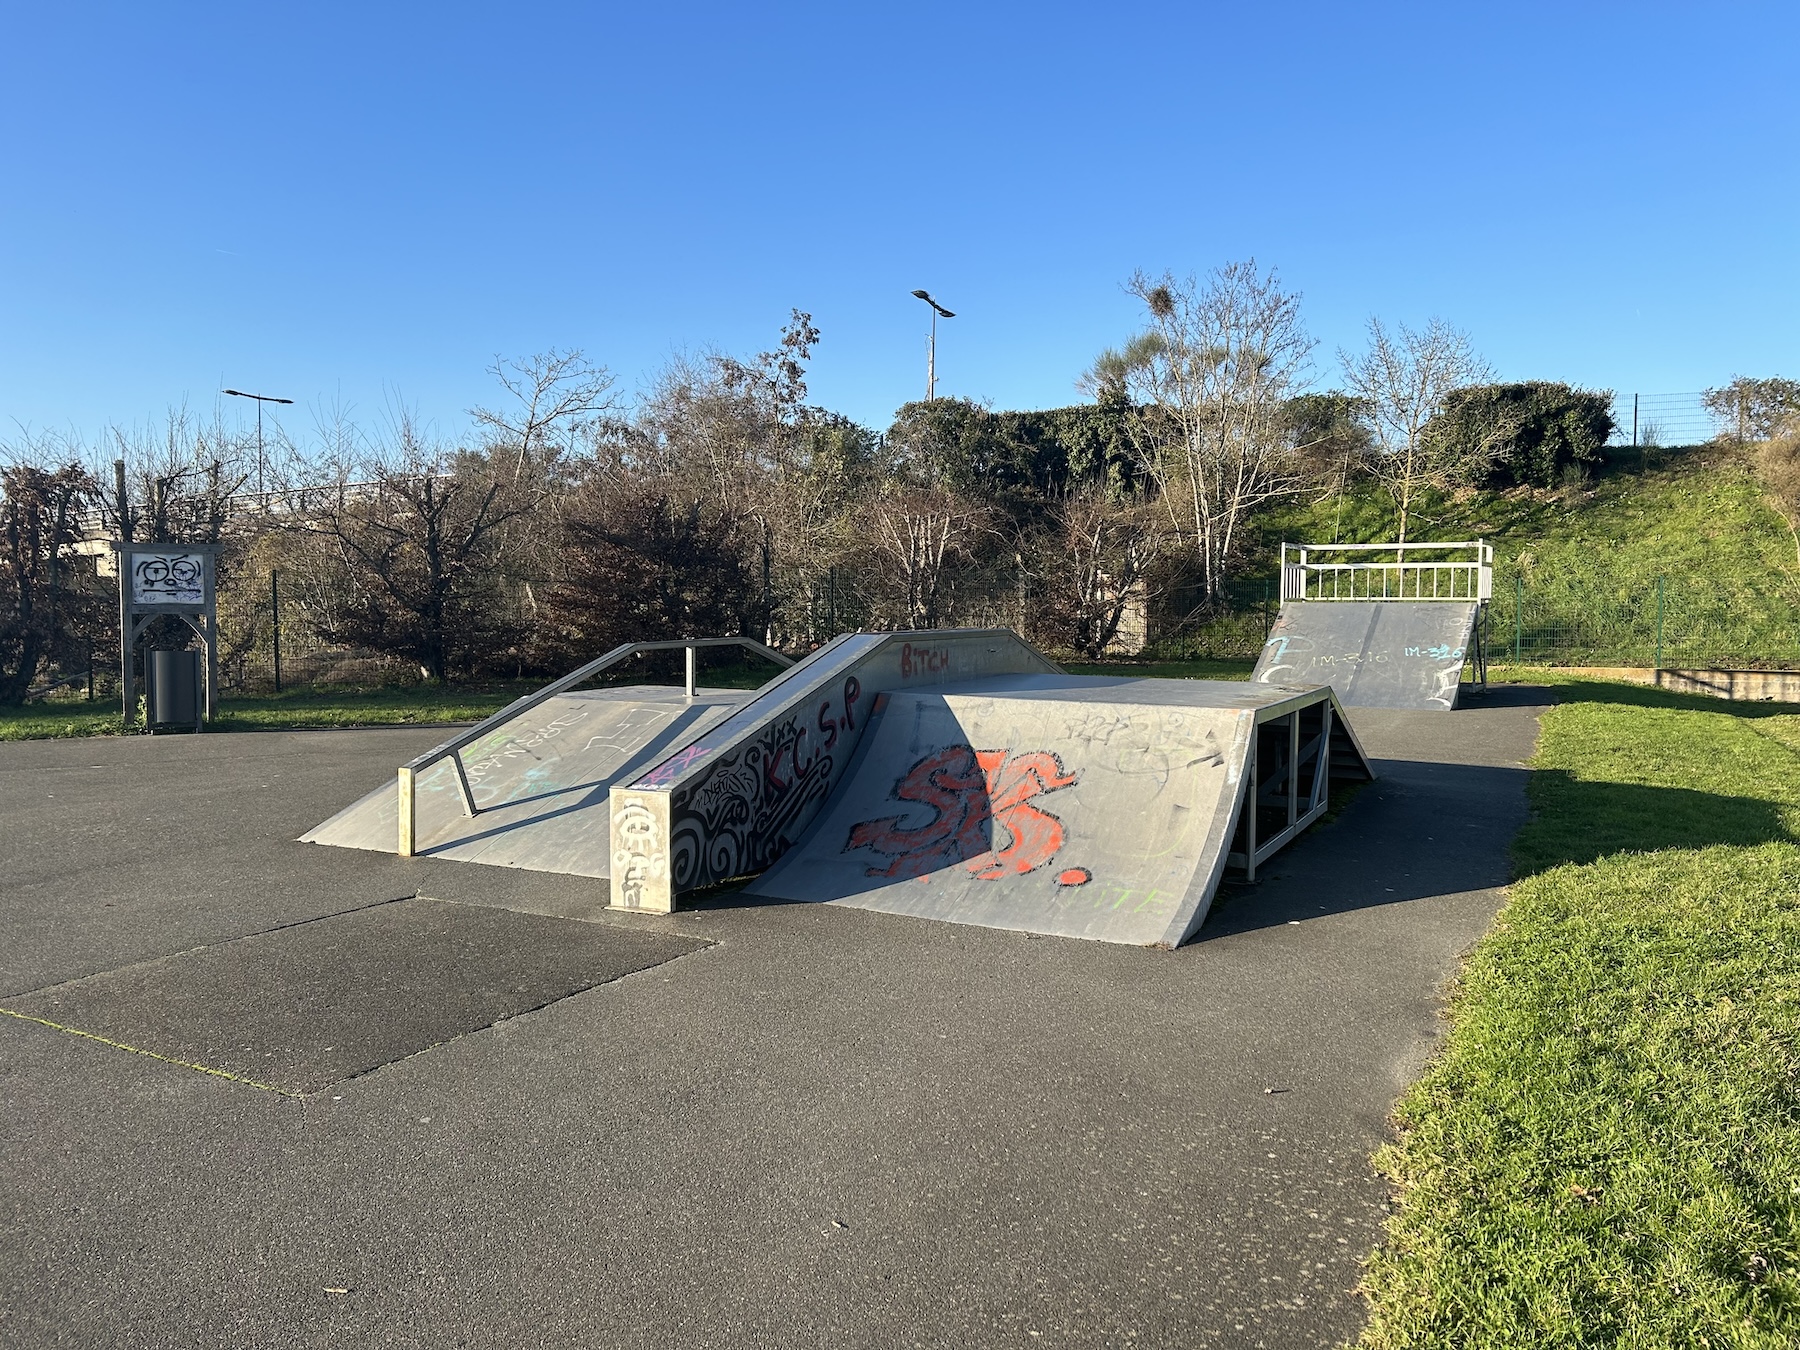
1083 807
1373 653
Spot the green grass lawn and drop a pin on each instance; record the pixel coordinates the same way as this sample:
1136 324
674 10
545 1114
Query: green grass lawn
297 708
380 707
1607 1152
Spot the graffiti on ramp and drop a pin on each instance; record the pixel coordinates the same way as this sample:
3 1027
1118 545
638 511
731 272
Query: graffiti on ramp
983 816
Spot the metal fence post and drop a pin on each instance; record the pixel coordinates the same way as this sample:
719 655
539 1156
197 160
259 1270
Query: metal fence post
275 620
1661 586
1518 617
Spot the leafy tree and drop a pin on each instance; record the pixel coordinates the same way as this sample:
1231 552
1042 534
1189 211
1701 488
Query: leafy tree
1330 435
1526 433
744 431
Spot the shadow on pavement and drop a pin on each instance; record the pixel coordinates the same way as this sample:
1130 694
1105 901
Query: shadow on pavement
1421 830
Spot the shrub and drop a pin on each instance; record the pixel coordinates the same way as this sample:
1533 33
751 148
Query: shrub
1536 432
1755 410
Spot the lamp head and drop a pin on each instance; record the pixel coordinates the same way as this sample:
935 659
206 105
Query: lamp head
942 312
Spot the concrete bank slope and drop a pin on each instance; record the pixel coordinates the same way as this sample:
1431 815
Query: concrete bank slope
486 1124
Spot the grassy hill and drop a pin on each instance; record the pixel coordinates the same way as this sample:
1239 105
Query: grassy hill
1577 569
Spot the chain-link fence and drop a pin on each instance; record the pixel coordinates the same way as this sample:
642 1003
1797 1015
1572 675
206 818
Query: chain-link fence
1663 623
1663 419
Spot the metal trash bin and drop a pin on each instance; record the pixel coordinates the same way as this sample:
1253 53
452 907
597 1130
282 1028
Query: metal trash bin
172 693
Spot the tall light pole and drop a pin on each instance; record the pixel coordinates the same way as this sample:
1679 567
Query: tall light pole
931 346
260 400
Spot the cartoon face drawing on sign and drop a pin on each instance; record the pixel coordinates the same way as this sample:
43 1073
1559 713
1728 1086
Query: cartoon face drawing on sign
168 579
634 851
983 818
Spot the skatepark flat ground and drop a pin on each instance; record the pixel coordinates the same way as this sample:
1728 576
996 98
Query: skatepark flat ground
744 1125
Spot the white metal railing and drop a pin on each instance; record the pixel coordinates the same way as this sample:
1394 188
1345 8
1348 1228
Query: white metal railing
1407 572
451 749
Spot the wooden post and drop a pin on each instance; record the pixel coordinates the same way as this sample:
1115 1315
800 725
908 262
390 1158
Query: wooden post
407 823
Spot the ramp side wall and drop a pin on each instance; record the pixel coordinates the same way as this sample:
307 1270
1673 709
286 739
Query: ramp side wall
734 800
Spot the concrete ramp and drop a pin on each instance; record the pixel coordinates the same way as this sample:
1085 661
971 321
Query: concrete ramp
542 781
729 802
1373 653
1084 807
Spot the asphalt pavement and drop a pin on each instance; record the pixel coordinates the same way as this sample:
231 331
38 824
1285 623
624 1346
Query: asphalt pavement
255 1092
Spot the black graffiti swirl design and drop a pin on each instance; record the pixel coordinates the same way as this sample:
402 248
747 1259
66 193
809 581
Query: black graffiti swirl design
743 814
161 574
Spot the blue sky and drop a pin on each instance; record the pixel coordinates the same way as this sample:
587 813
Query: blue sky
365 204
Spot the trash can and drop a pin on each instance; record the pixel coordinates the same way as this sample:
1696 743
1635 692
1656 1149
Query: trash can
172 695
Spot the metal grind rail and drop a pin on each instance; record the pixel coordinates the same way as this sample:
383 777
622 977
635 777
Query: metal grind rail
452 749
1304 576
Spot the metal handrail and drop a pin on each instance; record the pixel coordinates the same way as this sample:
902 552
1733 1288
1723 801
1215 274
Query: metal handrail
1478 570
1480 544
452 748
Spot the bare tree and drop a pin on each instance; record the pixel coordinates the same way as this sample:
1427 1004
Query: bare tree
180 478
1401 383
415 539
1097 561
1753 409
1778 465
45 609
923 535
1209 378
767 458
556 392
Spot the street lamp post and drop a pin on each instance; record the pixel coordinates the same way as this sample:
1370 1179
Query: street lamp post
931 345
260 400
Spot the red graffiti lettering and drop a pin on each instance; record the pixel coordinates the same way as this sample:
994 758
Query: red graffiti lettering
827 727
773 787
976 796
922 660
852 692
